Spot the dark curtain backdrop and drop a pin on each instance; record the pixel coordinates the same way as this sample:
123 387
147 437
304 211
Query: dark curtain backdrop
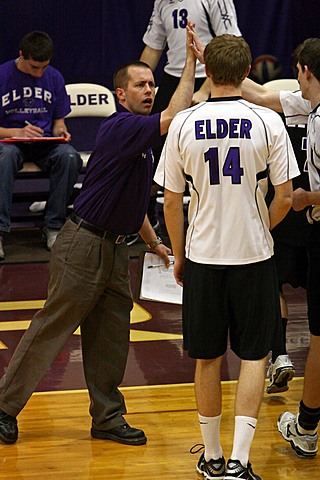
92 38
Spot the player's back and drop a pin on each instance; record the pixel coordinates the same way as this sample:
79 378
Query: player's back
227 148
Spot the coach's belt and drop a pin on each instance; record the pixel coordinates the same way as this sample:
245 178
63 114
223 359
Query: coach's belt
114 237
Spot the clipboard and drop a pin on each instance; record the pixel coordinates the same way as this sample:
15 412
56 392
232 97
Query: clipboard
156 282
34 140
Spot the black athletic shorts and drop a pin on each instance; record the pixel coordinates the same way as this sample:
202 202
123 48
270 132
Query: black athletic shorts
292 264
242 301
313 284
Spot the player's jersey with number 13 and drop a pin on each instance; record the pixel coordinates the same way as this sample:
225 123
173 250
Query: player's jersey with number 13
168 22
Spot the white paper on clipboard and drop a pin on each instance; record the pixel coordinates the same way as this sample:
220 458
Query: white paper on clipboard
157 282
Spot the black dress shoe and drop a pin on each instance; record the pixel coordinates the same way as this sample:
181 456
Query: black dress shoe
8 428
122 434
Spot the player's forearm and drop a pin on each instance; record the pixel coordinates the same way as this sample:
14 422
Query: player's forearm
151 56
146 232
281 203
313 198
255 93
303 198
277 213
174 218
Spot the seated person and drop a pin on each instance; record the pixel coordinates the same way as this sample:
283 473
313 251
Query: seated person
34 103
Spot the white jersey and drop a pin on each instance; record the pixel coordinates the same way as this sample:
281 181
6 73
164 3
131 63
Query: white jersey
169 19
297 110
225 149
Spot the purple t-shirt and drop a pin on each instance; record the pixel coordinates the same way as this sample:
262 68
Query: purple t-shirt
37 100
116 189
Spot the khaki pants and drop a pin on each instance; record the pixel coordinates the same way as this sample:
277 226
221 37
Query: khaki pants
89 286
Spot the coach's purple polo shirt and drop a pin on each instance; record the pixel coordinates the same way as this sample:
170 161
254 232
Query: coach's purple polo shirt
116 189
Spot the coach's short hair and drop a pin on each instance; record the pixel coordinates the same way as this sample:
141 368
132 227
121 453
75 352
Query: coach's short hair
121 75
37 45
227 59
308 53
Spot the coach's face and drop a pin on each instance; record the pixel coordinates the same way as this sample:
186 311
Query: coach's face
138 95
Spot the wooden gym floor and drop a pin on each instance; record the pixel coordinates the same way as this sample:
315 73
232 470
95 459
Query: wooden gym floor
54 440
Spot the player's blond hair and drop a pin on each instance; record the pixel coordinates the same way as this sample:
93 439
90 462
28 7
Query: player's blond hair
227 59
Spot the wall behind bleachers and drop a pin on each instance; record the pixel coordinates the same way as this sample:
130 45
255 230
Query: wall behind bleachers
92 38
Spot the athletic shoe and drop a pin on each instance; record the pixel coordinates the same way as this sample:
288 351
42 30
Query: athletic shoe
213 469
8 428
303 445
236 470
280 373
50 236
37 207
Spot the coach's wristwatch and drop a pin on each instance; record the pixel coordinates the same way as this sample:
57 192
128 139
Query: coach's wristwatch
154 243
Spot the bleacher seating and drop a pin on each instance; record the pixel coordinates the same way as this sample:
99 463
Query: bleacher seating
90 103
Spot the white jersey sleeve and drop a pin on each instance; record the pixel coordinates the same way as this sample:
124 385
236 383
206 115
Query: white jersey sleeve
170 173
295 108
280 171
298 110
155 36
223 17
316 137
313 149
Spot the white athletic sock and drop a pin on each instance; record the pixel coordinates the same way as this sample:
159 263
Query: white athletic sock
244 429
210 430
